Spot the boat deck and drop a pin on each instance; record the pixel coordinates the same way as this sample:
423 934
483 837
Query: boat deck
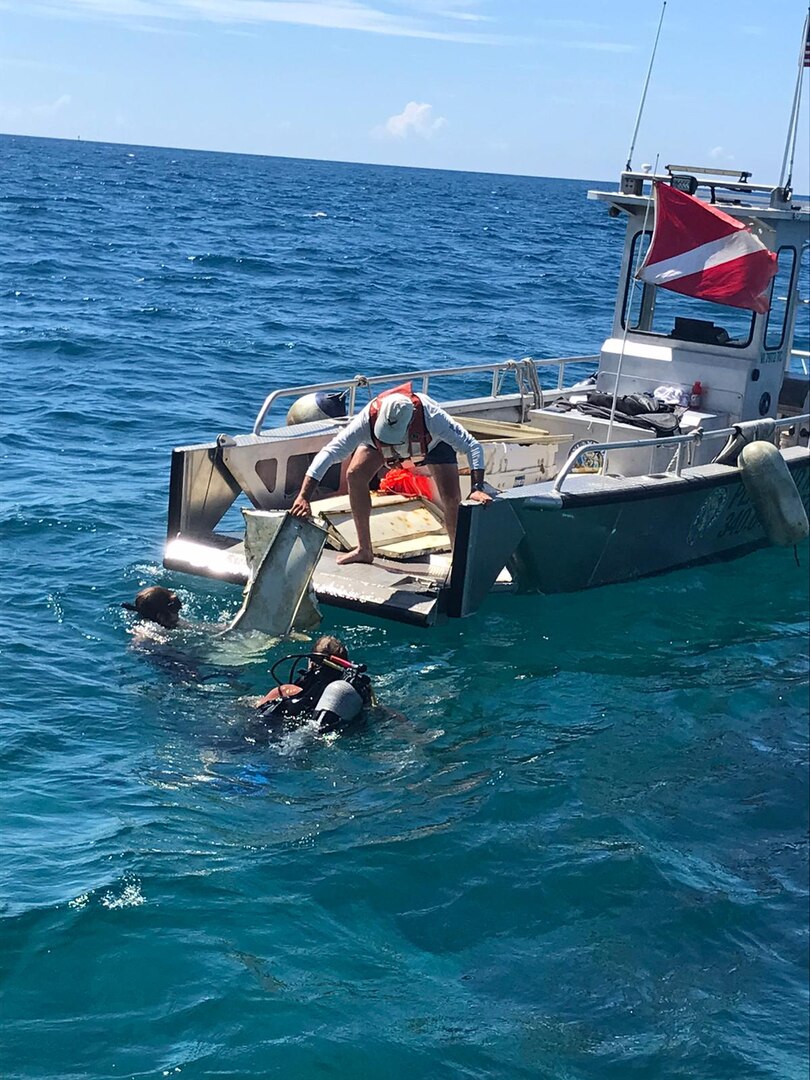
403 590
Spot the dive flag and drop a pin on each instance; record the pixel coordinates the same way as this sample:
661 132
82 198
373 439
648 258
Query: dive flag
699 251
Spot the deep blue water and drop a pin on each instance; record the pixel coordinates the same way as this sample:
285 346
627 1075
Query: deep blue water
578 849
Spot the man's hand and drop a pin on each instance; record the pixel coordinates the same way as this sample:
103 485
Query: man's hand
477 493
301 507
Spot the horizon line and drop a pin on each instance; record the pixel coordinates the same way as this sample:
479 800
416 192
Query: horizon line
287 157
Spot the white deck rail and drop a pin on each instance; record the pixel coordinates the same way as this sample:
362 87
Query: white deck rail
524 371
650 445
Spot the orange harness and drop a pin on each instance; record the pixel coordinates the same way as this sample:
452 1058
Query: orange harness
417 439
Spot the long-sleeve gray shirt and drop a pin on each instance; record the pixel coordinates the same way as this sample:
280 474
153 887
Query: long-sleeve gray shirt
441 427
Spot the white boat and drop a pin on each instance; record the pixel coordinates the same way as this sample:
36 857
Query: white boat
586 497
597 483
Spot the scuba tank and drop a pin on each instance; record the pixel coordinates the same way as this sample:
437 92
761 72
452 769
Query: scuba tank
339 704
330 690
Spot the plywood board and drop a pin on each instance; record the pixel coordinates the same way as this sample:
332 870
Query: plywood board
506 431
401 527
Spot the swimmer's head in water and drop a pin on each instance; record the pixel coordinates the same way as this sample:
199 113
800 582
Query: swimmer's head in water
157 604
330 646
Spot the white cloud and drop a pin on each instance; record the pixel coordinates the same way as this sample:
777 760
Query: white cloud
53 107
370 18
436 20
415 119
15 113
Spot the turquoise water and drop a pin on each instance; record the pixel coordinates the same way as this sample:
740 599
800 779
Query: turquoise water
576 844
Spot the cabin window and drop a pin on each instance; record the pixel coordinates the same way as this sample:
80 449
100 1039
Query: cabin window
637 307
297 466
650 310
783 284
801 330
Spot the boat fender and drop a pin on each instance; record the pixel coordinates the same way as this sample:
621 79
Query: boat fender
339 704
319 406
772 490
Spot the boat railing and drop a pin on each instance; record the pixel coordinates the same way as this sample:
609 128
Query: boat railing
650 445
525 372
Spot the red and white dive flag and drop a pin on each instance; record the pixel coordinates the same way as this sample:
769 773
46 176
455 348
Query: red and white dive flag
699 251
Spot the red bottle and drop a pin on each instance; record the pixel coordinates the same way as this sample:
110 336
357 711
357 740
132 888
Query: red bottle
696 396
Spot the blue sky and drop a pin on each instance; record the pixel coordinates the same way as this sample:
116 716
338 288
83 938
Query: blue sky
509 86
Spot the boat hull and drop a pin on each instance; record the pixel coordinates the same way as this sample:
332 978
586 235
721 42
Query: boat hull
605 534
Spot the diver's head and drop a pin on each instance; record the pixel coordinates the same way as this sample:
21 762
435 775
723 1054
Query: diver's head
330 646
157 604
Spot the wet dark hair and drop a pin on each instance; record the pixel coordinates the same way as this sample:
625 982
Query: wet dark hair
156 604
330 646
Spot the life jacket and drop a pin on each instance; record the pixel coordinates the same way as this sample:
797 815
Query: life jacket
417 438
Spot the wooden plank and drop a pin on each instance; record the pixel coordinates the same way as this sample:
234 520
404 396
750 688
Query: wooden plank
340 503
506 431
401 527
414 546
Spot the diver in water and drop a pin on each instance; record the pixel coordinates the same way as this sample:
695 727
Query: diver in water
322 685
182 656
158 605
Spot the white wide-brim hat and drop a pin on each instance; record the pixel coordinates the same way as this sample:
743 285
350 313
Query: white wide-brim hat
391 424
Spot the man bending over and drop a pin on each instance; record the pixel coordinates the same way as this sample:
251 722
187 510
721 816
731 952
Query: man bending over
396 426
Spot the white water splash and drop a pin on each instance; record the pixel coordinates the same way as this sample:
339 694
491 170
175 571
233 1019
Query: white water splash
130 896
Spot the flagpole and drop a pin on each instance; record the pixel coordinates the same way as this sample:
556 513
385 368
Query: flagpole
793 126
644 91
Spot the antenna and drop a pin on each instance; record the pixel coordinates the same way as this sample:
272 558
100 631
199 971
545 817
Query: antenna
633 284
644 91
793 126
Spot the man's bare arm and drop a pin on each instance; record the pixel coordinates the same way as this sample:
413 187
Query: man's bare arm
301 507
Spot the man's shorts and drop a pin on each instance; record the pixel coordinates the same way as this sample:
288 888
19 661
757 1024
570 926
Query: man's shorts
441 454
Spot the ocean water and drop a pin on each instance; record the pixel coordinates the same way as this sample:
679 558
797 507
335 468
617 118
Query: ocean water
575 845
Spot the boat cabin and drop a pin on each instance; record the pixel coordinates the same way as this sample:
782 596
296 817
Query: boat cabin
739 358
